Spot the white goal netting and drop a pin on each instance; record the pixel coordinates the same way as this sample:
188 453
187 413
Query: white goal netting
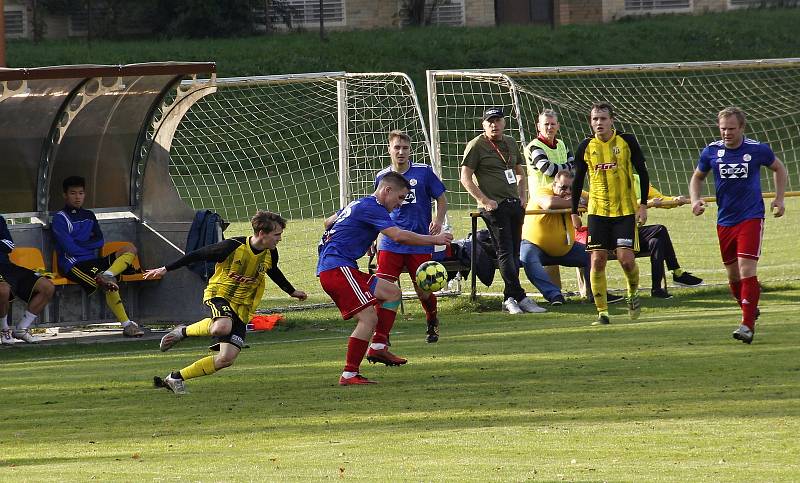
300 145
672 110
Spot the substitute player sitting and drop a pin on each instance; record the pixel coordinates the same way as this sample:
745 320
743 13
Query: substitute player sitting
736 161
414 215
78 238
348 235
232 295
16 281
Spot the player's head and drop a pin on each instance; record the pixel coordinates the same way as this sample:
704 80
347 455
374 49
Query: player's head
562 183
74 191
548 124
494 121
731 121
392 190
399 148
267 228
601 118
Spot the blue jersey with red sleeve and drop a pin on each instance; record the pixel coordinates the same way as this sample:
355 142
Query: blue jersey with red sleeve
348 239
737 178
415 212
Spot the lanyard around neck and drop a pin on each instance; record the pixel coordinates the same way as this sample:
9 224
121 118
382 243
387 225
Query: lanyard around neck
497 150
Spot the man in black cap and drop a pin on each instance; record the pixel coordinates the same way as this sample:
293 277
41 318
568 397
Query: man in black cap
501 192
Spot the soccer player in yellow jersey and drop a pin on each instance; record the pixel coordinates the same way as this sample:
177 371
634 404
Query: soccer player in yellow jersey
232 295
611 159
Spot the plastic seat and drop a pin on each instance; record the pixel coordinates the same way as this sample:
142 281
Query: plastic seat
32 259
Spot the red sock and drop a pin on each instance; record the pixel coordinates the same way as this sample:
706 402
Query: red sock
736 290
356 348
751 292
385 323
430 307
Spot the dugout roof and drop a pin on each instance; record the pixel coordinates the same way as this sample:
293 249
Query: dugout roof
95 121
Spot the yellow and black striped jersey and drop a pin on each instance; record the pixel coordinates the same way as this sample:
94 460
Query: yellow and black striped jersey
239 271
611 167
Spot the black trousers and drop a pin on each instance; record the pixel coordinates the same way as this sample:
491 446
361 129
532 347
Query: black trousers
655 239
505 225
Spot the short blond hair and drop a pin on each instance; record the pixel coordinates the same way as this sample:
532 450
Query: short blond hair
732 111
397 133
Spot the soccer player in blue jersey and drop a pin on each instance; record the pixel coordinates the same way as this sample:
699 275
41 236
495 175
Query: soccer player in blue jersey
78 239
736 162
414 214
348 235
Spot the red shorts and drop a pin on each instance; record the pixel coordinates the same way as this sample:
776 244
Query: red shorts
741 241
350 289
391 264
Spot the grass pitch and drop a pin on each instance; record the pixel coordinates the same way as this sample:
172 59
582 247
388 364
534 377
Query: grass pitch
500 398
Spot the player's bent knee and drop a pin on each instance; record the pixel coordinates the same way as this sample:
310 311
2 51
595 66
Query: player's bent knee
5 290
221 327
46 288
221 362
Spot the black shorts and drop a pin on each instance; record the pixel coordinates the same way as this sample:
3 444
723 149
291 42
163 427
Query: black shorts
612 232
21 280
84 272
222 308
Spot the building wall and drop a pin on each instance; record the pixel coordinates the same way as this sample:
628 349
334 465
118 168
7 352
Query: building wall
615 9
579 12
370 14
479 13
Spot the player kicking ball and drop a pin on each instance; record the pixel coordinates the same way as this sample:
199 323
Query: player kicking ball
232 295
348 235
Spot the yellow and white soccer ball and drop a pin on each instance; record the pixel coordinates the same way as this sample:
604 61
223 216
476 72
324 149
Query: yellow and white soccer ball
431 276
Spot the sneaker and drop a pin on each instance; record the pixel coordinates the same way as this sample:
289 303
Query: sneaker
744 334
6 338
687 280
511 306
634 306
173 337
529 306
432 334
132 330
384 357
602 319
178 386
355 380
558 300
106 282
25 335
660 293
614 299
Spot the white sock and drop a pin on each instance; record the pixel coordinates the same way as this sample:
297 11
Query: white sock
110 274
127 323
26 321
377 346
4 322
348 374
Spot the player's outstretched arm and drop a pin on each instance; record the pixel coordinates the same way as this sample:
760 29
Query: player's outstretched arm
154 273
410 238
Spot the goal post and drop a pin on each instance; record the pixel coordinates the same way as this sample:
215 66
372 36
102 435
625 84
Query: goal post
301 145
672 110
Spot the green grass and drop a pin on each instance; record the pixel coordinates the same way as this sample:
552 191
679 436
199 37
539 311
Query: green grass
537 397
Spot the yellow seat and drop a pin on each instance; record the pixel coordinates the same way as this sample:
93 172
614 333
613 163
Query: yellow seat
115 246
32 259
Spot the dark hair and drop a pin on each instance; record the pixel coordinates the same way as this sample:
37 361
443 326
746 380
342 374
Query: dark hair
72 182
603 106
396 180
266 221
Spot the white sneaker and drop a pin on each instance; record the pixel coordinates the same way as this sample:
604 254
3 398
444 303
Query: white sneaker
530 306
25 335
175 385
510 305
6 338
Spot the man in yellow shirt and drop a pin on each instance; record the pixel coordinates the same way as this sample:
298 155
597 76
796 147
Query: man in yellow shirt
611 158
549 239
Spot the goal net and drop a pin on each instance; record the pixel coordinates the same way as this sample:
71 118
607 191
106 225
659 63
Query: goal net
300 145
671 108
